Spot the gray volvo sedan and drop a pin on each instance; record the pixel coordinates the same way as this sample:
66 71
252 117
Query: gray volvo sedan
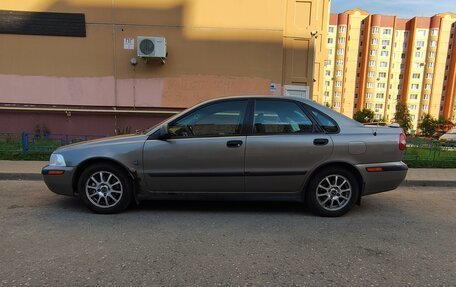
238 148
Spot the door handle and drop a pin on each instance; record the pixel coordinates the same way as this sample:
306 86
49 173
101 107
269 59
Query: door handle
321 141
234 143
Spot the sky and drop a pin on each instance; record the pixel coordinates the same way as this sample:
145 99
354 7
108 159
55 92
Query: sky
400 8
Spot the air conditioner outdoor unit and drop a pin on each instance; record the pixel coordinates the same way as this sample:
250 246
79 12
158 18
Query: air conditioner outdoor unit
152 47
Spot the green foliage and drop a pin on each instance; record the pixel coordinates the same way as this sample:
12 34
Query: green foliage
428 125
364 116
402 117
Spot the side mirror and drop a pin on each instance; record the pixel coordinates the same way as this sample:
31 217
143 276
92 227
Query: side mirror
164 133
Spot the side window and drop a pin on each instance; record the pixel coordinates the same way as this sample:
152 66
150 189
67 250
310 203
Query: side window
219 119
278 117
328 124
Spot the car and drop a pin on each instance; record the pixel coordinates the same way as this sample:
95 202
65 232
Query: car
449 138
236 148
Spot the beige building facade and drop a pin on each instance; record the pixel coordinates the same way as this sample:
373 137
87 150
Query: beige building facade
214 49
375 61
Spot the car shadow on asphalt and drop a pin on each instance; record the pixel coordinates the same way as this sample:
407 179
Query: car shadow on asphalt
217 207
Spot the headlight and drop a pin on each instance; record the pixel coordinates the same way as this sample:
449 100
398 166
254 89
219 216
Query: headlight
57 160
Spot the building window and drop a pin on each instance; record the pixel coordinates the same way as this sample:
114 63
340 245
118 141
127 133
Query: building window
374 41
433 43
415 86
418 54
339 73
337 104
413 96
412 107
330 40
340 51
379 106
383 64
328 73
340 62
429 76
431 65
434 32
381 85
373 52
342 29
368 106
421 33
379 95
371 74
426 97
384 53
327 83
385 42
420 43
416 75
372 63
431 54
342 40
370 84
337 94
427 86
374 30
339 84
382 75
425 107
331 30
386 31
326 94
330 51
416 65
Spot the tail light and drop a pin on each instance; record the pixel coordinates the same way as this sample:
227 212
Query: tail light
402 142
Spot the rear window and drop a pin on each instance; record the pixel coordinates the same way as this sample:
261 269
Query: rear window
328 124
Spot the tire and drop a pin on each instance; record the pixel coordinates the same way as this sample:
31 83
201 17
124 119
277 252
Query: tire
332 192
105 188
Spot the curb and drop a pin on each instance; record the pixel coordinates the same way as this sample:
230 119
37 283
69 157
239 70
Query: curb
21 176
435 183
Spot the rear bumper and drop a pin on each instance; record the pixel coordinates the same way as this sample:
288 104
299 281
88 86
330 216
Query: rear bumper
386 176
62 183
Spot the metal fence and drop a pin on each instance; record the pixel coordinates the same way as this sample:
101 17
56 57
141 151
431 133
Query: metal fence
422 152
14 145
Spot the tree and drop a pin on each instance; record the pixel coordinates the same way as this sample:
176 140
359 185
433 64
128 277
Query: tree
428 125
364 116
402 117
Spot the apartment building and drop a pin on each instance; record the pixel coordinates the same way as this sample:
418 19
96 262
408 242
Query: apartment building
374 61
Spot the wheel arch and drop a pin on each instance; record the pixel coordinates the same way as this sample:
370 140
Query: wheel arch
345 165
96 160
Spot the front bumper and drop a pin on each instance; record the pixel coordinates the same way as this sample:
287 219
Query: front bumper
62 183
386 176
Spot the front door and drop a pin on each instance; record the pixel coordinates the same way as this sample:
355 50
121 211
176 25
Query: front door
204 154
283 148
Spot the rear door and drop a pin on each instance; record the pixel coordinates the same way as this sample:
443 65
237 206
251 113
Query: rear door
285 145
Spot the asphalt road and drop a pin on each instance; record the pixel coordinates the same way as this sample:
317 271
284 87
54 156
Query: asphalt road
404 237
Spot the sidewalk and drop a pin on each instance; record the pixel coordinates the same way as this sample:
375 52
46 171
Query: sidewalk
31 170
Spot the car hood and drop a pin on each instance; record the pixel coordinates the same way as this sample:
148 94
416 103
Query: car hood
103 141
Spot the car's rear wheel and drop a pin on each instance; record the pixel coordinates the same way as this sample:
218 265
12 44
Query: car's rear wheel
105 188
332 192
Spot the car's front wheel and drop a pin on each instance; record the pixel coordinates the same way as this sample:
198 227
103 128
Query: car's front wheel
332 192
105 188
